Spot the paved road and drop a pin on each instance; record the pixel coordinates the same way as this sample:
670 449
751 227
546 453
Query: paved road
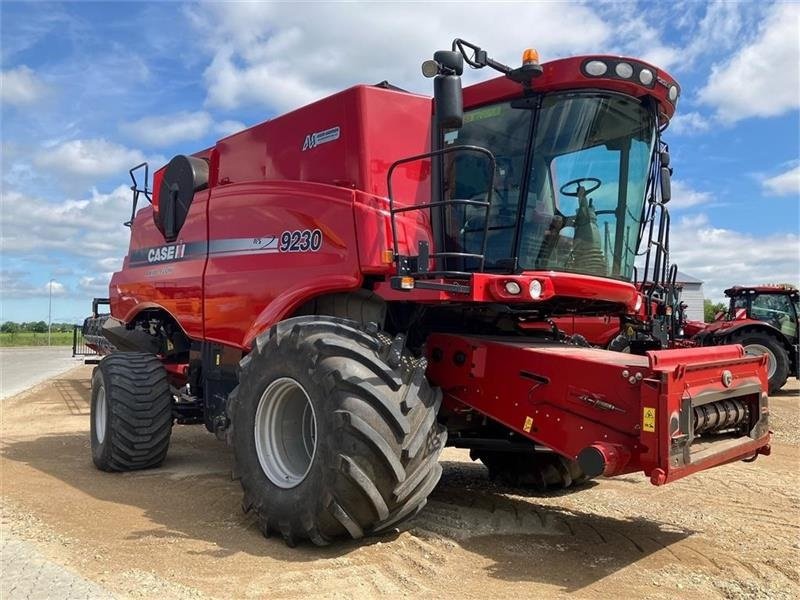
22 368
28 575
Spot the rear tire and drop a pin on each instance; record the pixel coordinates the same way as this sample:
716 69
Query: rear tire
131 412
542 471
760 342
355 442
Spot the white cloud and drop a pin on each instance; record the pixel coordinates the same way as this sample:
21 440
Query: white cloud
55 287
163 130
21 86
719 30
724 257
684 196
96 286
15 283
281 56
784 184
93 158
90 228
226 128
689 123
762 79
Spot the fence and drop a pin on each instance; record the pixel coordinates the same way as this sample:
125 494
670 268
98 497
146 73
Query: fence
80 348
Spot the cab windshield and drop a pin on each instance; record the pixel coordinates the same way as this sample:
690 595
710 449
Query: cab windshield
568 189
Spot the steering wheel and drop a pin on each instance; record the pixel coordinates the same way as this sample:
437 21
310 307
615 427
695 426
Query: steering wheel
577 183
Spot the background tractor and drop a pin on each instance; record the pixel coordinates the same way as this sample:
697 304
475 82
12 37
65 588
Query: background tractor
341 291
764 320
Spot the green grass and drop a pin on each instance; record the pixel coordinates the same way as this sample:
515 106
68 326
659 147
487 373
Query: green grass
57 338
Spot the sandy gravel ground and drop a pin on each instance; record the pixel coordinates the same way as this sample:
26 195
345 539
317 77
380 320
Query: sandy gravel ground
178 531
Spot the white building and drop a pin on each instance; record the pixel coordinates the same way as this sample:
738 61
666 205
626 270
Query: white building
692 295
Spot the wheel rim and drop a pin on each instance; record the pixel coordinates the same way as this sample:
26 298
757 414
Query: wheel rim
100 411
285 432
758 350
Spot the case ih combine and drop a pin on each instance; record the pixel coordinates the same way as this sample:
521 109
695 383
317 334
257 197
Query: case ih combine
343 290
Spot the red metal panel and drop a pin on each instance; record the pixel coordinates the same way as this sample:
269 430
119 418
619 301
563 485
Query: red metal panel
570 398
488 288
564 74
175 286
250 283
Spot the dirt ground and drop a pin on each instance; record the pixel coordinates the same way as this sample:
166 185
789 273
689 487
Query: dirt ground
179 532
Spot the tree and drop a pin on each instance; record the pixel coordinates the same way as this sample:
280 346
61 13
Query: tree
9 327
710 310
39 327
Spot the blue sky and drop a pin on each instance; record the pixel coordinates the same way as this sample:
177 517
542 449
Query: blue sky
90 89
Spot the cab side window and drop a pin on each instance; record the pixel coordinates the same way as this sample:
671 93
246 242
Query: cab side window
772 308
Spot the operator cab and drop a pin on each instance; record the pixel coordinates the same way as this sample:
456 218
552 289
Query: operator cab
569 187
776 305
546 176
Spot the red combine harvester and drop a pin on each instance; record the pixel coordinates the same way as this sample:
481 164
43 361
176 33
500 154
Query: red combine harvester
343 290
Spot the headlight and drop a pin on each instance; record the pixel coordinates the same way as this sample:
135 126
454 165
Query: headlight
624 70
535 289
595 68
512 287
638 304
646 76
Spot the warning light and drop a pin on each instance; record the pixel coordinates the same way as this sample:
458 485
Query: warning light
530 57
407 283
387 257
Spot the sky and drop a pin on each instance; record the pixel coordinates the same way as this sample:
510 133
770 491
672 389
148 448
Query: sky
91 89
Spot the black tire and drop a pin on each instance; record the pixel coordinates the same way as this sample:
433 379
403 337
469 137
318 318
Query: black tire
774 348
542 471
621 343
131 412
376 444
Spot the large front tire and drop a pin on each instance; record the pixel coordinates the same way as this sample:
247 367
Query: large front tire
334 431
131 412
756 343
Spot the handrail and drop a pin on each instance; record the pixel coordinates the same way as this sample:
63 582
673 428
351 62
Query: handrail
440 203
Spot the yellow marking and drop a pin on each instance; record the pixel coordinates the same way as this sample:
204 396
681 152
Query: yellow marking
649 419
528 424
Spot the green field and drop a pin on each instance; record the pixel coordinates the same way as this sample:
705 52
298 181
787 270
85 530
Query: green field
26 338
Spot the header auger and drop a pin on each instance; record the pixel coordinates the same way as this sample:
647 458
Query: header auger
341 291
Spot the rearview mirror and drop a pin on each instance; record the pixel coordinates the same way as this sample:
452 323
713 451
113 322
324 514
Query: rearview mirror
449 103
666 185
447 67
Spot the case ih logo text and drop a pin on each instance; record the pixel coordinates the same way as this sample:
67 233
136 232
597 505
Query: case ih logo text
164 253
320 137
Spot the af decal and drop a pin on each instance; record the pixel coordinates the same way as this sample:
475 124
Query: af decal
321 137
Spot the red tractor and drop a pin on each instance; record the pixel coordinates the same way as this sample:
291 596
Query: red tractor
341 291
764 320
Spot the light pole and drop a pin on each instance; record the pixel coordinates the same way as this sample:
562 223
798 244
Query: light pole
50 310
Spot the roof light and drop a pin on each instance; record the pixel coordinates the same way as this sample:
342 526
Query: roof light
512 287
595 68
673 93
624 70
535 289
646 76
530 57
